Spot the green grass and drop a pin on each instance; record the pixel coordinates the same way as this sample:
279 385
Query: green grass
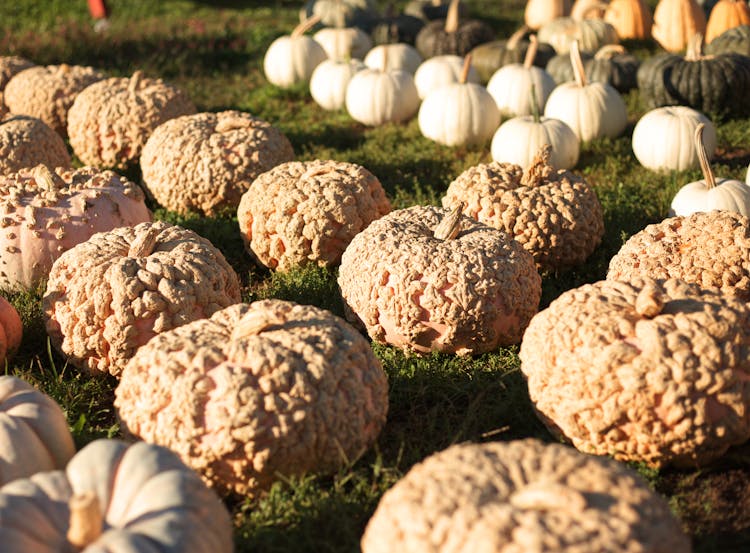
436 400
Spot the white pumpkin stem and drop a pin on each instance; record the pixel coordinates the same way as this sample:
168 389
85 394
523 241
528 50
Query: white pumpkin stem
305 26
450 226
575 60
465 69
232 123
609 51
45 178
256 321
135 81
708 174
86 520
534 103
451 19
694 50
528 59
516 37
144 243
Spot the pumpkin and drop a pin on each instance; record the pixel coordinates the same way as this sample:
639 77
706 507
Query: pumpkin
342 43
9 66
344 13
460 113
631 19
440 71
108 296
591 34
517 140
329 82
717 84
394 56
118 498
34 433
735 40
27 141
561 68
45 213
588 9
710 193
429 279
394 28
257 393
452 36
725 15
428 10
511 85
11 329
290 60
592 110
537 13
676 22
491 56
611 64
663 139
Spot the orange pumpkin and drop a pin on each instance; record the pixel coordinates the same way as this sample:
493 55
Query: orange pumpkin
675 22
630 18
11 329
725 15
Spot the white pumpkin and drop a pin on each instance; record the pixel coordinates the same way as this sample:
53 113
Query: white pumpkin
440 71
330 80
518 138
377 96
592 110
460 113
710 193
291 59
394 56
510 85
664 138
344 43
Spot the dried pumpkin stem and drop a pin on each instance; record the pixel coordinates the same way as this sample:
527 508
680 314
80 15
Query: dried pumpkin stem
608 51
575 60
694 51
700 148
650 301
45 178
144 243
451 18
135 81
232 123
86 520
516 37
255 321
305 26
450 226
539 168
465 69
528 59
548 496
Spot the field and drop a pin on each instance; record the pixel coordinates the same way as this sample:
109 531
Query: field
214 51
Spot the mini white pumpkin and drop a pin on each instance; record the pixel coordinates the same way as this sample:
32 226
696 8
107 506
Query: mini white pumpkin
342 43
439 71
592 110
460 113
330 80
664 138
510 85
518 139
710 193
291 59
394 56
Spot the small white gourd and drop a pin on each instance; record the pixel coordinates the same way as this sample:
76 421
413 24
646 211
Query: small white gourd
440 71
330 80
591 109
394 56
663 139
291 59
460 113
510 85
710 193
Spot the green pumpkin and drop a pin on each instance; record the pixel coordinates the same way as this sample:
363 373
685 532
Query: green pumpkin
342 13
611 64
395 28
561 69
717 85
491 56
452 36
430 10
735 40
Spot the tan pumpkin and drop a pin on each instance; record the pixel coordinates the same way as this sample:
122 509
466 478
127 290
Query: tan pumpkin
34 433
630 18
539 12
725 15
117 498
676 22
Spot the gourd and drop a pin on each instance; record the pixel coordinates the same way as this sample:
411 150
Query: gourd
452 36
591 34
725 15
539 12
330 80
115 497
491 56
592 110
440 71
34 435
460 113
735 40
394 56
290 60
710 193
511 85
663 139
631 19
676 22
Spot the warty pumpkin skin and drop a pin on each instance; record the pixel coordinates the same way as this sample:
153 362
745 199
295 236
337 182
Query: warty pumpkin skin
114 497
735 40
9 66
34 435
27 141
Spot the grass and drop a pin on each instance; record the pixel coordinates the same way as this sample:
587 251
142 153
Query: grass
214 51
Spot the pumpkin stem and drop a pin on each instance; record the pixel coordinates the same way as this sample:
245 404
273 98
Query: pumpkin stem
708 174
540 168
63 68
86 520
144 243
232 123
548 496
45 178
305 26
575 59
135 81
451 19
465 69
650 301
534 103
608 51
694 50
516 37
385 58
340 19
528 59
256 321
450 226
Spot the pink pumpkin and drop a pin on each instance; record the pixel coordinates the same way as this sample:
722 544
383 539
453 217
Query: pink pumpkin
11 329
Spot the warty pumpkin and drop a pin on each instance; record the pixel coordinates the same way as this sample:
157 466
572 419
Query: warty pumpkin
27 141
